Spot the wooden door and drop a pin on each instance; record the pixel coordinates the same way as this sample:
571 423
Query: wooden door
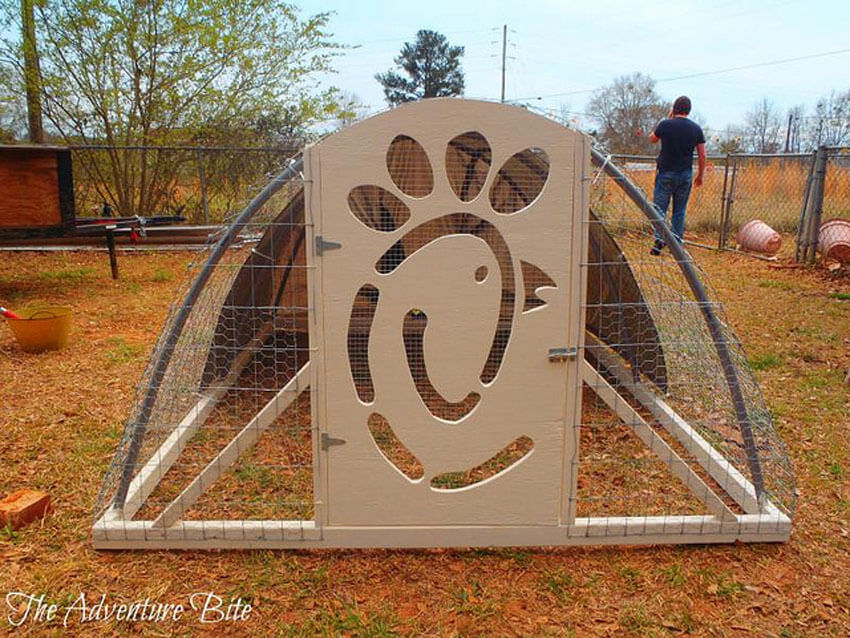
446 240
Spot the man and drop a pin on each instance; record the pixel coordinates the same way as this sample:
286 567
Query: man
679 136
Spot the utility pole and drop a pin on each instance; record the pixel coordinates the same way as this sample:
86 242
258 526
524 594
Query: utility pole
788 132
32 74
504 50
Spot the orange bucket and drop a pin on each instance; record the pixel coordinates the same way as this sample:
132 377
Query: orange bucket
758 237
834 240
42 328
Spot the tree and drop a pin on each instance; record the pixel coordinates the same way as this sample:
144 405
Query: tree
352 109
627 112
762 124
729 141
831 125
10 117
32 84
432 66
124 72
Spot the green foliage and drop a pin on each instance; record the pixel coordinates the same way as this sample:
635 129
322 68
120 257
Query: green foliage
8 534
772 283
674 575
119 72
121 351
634 619
559 582
432 67
765 361
71 275
162 275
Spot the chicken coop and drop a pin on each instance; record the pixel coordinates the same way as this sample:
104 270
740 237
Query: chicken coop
442 327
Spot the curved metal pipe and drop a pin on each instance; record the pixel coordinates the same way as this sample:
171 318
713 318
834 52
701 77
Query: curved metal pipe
721 344
167 349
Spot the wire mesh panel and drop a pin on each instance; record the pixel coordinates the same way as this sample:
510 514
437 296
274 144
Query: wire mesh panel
222 428
705 203
659 417
764 188
450 332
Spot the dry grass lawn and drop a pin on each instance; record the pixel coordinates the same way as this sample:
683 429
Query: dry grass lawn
61 416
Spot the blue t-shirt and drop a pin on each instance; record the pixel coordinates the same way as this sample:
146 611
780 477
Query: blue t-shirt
679 136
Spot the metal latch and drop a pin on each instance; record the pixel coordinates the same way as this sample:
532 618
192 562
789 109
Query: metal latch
562 354
329 441
322 245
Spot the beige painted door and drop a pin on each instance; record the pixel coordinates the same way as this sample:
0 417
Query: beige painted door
446 243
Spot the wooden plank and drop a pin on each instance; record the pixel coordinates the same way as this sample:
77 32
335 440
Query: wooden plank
735 484
655 443
239 444
637 530
152 472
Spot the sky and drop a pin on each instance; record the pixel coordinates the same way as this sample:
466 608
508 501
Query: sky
559 51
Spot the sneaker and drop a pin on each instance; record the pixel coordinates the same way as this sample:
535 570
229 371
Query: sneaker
657 247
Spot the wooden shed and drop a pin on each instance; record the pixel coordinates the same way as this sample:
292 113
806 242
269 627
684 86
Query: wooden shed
36 191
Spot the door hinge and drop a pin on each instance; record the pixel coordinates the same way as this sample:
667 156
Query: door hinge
562 354
322 245
329 441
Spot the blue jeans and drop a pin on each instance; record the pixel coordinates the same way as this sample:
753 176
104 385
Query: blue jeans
675 184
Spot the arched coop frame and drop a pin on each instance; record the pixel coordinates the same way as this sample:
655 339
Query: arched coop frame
441 327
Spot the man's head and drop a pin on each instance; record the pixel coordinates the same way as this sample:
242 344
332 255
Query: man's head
682 105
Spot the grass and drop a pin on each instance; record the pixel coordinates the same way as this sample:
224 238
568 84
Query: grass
674 575
843 296
765 361
63 412
121 351
72 275
559 581
777 285
161 275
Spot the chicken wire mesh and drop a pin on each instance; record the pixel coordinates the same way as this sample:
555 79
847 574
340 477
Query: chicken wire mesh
648 338
241 338
657 370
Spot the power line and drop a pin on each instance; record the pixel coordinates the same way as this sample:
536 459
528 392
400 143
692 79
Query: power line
697 75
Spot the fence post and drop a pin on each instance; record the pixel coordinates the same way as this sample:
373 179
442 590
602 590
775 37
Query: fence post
813 210
721 236
202 177
803 225
817 203
730 200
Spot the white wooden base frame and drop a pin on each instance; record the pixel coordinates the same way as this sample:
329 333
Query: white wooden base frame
116 530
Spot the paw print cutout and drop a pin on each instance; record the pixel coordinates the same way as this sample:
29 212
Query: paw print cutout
429 332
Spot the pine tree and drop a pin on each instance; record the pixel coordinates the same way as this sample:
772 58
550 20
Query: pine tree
432 67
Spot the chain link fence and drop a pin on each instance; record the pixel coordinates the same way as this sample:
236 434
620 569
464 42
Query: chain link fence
204 184
792 193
